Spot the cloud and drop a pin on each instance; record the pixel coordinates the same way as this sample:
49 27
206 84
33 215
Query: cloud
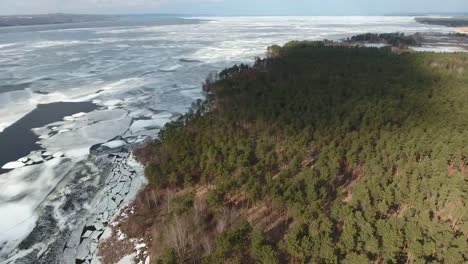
90 6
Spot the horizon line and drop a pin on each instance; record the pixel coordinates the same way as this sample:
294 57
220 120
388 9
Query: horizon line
455 14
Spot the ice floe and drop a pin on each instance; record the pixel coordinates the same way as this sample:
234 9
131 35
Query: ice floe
36 157
77 143
115 144
13 165
113 102
140 125
104 115
78 115
24 159
157 121
128 259
58 154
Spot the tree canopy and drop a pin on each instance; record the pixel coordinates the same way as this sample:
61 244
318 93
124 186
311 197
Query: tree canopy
367 148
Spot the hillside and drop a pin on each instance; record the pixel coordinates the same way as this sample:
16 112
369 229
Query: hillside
315 154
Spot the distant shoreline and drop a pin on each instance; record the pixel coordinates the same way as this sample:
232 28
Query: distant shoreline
73 19
51 19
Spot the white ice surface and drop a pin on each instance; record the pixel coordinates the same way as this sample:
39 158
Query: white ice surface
27 188
115 144
156 121
78 115
34 183
141 125
103 115
375 45
77 143
19 223
439 49
113 102
24 159
13 165
36 157
130 259
58 154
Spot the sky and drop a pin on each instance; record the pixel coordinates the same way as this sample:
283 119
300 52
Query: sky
234 7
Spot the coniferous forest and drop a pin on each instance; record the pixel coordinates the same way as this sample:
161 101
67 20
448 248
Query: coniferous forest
319 154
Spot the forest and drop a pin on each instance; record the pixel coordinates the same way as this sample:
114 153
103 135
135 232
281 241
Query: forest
316 154
395 39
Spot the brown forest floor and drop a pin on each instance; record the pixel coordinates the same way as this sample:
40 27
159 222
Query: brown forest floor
146 218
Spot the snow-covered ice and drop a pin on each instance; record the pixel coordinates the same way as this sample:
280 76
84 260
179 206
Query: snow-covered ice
77 143
13 165
58 154
36 157
27 188
113 102
140 125
115 144
130 259
78 115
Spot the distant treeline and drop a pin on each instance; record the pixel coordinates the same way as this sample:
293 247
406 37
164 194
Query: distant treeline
449 22
394 39
28 20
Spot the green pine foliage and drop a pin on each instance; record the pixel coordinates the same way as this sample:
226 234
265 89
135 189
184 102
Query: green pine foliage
169 257
369 150
231 247
262 251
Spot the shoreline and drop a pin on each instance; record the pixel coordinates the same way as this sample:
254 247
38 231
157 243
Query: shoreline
121 187
133 246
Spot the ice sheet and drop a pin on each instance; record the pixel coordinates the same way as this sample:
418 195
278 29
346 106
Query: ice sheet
77 143
27 188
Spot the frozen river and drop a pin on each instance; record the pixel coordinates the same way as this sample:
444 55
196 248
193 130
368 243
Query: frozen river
57 199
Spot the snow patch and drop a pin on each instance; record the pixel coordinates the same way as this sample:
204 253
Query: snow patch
130 259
